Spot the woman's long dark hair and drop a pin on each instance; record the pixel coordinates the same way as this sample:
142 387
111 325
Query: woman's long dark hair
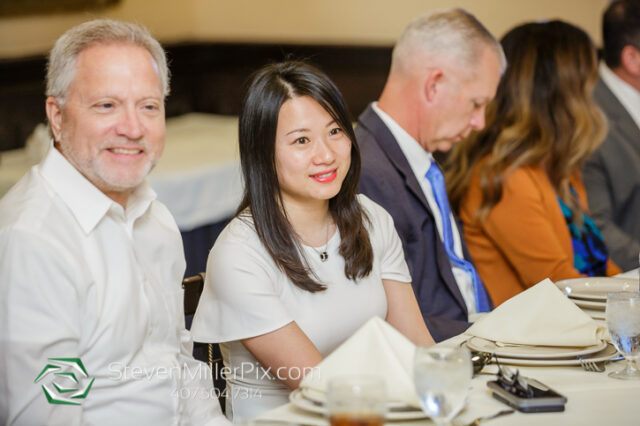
270 87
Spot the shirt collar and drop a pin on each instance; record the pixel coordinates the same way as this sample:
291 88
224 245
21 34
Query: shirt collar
87 203
628 96
419 159
139 201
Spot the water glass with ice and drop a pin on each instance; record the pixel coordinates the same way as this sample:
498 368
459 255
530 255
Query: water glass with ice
442 376
623 322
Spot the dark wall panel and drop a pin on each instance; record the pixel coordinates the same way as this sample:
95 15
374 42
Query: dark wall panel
206 77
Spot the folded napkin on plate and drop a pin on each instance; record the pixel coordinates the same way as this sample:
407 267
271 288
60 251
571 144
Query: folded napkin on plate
375 349
543 316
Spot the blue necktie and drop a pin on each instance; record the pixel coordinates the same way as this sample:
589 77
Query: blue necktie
434 175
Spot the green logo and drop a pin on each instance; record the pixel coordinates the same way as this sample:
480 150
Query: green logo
70 382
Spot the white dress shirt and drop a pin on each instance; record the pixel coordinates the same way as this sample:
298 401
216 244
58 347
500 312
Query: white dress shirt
628 96
420 161
81 277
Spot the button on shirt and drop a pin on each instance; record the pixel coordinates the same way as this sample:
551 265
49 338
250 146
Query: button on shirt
81 277
420 161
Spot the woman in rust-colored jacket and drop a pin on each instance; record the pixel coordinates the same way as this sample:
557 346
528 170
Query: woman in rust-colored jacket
517 185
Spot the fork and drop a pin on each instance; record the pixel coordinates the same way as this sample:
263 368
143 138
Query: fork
480 419
592 366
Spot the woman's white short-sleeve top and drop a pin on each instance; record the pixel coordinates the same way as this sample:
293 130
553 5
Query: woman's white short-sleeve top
246 295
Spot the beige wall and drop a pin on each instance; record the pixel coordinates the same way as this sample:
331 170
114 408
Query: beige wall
169 20
376 22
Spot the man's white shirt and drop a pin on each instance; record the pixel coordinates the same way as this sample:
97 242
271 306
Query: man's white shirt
628 96
81 277
420 161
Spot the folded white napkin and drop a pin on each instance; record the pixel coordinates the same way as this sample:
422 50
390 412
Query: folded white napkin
540 316
375 349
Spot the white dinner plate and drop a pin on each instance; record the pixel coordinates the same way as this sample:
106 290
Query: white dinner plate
596 315
298 398
589 304
603 355
629 274
596 288
320 398
531 352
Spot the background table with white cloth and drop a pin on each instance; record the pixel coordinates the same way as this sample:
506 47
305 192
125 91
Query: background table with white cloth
198 177
593 399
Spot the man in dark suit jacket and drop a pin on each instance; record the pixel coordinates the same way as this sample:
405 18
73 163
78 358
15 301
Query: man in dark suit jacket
612 174
445 69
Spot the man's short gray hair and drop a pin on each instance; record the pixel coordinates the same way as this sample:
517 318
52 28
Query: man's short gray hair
444 33
61 66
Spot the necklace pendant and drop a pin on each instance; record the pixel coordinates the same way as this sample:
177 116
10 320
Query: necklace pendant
324 256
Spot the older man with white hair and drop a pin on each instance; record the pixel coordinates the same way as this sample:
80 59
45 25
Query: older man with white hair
445 69
91 318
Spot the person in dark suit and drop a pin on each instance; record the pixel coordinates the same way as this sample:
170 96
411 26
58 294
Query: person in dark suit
445 68
612 174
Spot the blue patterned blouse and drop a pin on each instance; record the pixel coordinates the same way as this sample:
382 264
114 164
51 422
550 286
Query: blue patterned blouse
589 251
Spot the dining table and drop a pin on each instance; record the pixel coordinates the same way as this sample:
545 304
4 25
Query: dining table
593 398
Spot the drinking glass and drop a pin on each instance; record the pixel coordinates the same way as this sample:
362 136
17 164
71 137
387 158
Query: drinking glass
442 376
356 401
623 322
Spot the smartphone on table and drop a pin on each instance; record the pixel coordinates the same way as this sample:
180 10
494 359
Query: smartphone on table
536 398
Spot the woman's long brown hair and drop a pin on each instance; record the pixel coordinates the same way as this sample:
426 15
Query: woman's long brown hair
542 115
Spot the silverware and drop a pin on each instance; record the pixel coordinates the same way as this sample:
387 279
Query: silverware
592 366
390 408
480 360
481 419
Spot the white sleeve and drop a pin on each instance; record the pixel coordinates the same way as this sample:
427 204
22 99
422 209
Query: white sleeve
241 298
386 242
39 314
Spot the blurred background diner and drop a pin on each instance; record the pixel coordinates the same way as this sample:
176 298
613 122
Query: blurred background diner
612 174
212 48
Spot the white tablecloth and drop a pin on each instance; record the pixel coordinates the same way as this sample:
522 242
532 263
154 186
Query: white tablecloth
198 176
593 399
